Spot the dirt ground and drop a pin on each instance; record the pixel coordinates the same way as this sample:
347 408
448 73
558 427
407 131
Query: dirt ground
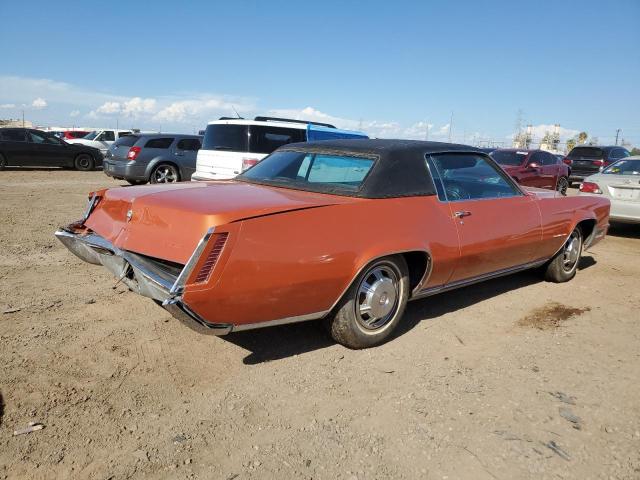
513 378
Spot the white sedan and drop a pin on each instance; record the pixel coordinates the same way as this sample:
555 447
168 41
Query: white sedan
620 182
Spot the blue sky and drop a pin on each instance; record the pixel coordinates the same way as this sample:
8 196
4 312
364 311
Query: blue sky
391 67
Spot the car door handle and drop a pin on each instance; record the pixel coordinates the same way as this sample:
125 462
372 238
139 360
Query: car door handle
179 154
461 214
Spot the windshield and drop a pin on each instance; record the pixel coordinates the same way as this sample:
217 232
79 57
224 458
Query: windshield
91 135
310 171
623 167
508 157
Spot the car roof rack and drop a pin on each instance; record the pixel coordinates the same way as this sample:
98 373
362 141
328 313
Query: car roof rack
231 118
305 122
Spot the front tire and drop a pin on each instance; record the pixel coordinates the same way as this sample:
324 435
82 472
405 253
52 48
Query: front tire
165 173
564 265
372 307
84 162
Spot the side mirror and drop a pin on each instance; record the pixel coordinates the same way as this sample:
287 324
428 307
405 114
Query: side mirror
534 165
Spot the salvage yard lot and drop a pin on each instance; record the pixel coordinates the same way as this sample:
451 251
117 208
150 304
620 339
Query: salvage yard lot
513 378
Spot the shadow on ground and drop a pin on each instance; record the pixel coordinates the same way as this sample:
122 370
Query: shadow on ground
1 408
284 341
626 230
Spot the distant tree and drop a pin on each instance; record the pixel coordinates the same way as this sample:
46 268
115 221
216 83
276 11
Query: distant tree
582 137
570 144
635 151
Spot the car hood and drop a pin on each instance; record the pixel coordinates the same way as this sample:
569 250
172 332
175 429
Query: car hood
167 221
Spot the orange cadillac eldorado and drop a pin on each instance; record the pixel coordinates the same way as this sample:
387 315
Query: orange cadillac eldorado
347 231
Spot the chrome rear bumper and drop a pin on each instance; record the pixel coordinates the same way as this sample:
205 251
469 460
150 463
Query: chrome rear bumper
142 276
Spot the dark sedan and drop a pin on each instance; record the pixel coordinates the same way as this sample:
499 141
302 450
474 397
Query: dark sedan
25 147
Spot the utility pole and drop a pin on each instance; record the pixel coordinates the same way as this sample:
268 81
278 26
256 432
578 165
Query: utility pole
450 126
618 134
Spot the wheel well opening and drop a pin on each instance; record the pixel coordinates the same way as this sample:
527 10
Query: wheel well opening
418 263
587 227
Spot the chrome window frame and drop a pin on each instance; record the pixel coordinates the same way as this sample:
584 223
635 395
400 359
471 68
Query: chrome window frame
519 192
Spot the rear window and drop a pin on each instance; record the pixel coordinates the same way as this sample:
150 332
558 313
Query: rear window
508 158
586 152
12 135
310 171
128 141
232 138
267 139
164 142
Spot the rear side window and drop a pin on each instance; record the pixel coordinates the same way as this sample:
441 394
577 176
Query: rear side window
233 138
548 159
267 139
11 135
192 144
128 141
586 152
618 153
164 142
510 158
106 136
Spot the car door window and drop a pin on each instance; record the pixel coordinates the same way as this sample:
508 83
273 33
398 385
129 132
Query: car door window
106 136
467 176
190 144
536 158
548 159
13 135
37 137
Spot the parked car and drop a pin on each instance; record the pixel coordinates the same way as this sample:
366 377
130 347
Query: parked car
343 230
534 168
71 134
155 158
100 139
25 147
587 160
620 183
233 145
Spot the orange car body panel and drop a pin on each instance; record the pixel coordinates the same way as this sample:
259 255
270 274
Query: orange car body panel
294 253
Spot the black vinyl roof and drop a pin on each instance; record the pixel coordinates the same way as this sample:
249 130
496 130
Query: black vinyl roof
400 169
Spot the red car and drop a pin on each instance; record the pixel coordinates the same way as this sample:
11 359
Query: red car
346 231
534 168
69 134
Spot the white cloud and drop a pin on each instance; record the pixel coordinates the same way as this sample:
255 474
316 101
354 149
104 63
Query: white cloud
207 107
108 108
74 113
8 105
39 103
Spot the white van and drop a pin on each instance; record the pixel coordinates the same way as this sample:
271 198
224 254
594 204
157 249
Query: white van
231 145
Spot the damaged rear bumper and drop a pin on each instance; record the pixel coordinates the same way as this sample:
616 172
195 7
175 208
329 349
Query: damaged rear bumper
144 276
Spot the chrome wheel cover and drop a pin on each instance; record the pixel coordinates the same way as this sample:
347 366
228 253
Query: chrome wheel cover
571 251
377 297
165 174
83 161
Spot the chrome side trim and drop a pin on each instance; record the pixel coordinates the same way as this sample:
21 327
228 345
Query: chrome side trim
91 204
280 321
480 278
178 286
191 319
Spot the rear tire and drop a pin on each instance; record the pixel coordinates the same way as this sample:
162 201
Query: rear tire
563 185
165 173
564 265
372 307
84 162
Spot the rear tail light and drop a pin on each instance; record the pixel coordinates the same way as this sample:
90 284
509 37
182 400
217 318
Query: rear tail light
248 163
133 153
212 258
590 187
567 160
598 163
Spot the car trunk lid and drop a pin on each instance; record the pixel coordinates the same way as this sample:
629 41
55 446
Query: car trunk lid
166 222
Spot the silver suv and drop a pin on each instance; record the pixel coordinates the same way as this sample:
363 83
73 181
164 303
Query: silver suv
155 158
